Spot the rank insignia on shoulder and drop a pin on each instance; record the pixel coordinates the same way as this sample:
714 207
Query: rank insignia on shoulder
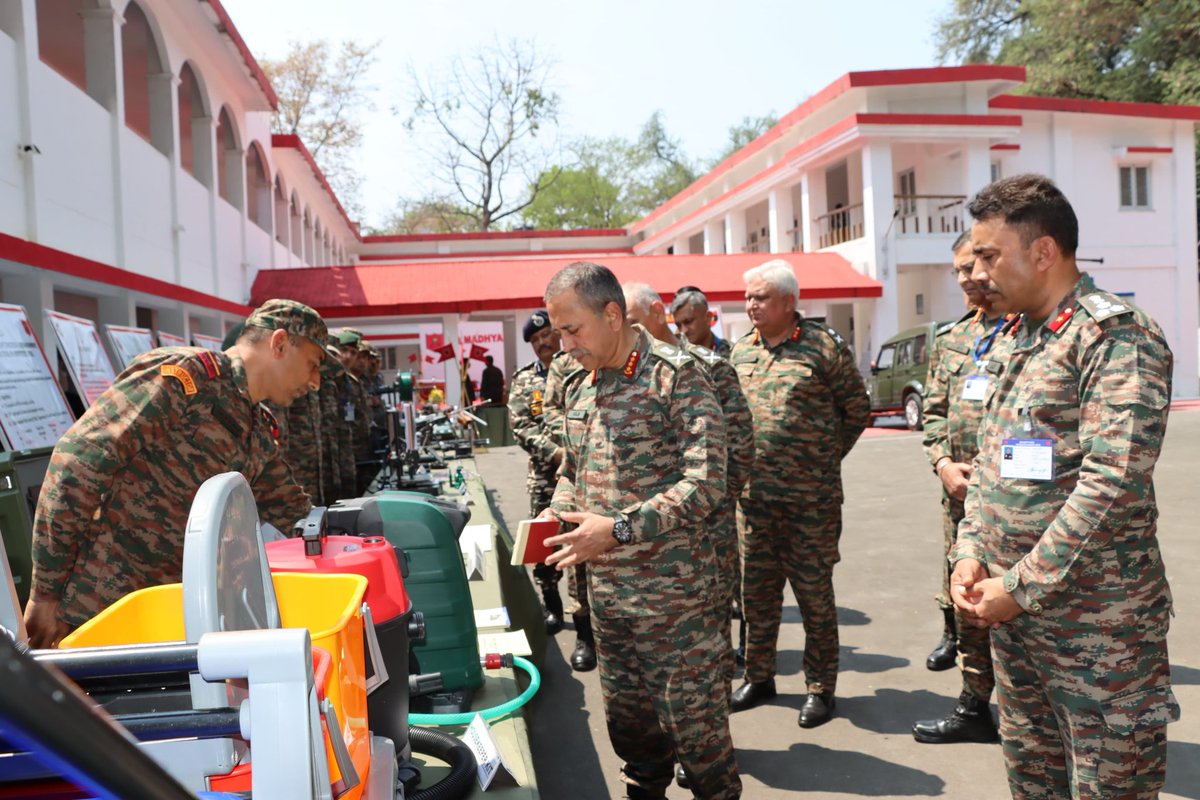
837 337
210 363
180 374
631 363
269 418
1101 308
1063 316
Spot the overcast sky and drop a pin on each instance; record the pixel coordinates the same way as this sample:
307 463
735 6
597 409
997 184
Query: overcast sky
705 63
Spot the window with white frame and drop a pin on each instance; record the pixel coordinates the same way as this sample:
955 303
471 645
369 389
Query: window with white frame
907 191
1135 187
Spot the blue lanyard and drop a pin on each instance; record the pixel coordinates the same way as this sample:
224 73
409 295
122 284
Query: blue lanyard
987 345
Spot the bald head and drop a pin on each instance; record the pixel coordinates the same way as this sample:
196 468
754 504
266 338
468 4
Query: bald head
645 307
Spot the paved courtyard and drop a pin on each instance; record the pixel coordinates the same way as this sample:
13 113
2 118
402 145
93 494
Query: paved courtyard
885 583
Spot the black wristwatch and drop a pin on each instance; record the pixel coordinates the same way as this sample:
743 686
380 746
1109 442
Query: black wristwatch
622 530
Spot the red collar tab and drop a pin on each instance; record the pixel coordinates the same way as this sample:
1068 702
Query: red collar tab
631 363
210 364
272 423
755 336
978 315
1014 323
795 337
595 372
1061 319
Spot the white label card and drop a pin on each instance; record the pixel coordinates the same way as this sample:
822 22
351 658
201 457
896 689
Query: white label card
975 388
1027 459
488 759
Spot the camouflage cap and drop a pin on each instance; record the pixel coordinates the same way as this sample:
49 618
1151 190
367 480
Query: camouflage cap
349 336
368 348
293 317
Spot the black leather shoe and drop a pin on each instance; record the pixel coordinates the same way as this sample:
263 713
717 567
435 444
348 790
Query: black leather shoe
945 655
749 695
971 721
817 710
681 778
583 658
552 601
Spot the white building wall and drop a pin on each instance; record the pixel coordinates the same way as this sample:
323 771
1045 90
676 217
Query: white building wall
149 248
12 181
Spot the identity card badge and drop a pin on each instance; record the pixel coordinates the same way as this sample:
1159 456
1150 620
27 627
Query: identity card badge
1027 459
975 388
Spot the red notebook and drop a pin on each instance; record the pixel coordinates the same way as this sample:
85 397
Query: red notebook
530 546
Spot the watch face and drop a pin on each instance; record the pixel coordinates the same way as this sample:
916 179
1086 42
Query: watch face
622 532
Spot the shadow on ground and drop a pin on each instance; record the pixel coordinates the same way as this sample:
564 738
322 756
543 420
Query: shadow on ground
813 768
846 616
791 662
1183 769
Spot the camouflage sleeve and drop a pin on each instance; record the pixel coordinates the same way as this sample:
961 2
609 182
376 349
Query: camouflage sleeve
739 425
967 544
700 433
140 408
281 501
554 402
1124 398
849 395
529 430
937 404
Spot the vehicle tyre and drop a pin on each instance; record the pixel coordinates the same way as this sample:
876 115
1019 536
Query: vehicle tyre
912 412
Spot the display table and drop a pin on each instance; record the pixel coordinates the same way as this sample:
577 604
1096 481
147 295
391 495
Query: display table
508 586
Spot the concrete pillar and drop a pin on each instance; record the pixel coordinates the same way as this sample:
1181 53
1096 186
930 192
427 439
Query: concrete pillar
878 207
1182 334
454 392
36 292
714 237
103 59
977 171
19 19
735 231
174 320
680 246
779 218
806 225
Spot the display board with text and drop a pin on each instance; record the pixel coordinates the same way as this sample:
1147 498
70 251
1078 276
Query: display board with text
129 343
81 349
33 411
170 340
209 342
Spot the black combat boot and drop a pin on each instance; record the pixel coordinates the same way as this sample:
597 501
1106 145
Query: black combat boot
971 721
946 653
583 659
552 600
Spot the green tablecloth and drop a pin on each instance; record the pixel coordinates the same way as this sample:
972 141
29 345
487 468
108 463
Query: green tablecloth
498 432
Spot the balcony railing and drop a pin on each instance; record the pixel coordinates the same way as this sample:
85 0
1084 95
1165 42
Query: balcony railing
839 225
924 214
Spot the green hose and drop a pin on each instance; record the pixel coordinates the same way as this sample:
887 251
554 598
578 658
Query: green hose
464 718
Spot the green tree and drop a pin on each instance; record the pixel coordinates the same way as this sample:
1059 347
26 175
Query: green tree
487 122
1135 50
659 169
745 132
320 98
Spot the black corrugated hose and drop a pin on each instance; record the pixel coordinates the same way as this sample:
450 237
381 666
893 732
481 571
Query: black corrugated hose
451 750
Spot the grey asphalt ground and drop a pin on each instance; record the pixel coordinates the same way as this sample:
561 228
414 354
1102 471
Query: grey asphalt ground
891 548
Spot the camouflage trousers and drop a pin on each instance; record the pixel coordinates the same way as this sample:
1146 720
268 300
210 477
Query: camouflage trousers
664 701
796 543
540 496
1065 732
723 530
974 644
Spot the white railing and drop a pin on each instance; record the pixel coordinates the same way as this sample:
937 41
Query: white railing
929 214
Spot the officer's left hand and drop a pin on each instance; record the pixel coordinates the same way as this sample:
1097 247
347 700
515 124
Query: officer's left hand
592 537
991 603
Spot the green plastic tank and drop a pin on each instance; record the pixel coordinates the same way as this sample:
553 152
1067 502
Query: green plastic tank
436 581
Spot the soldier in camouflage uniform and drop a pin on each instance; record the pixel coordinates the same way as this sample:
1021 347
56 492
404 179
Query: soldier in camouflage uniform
953 408
643 468
645 307
111 515
810 406
303 443
561 378
1058 549
334 434
526 399
690 311
353 401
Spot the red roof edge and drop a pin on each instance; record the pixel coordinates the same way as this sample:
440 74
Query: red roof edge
38 255
1109 107
497 254
473 235
294 142
225 25
883 77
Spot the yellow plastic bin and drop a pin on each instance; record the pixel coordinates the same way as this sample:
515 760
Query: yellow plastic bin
329 606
